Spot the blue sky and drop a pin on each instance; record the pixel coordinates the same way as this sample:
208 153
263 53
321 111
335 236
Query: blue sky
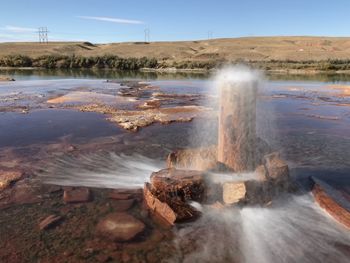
102 21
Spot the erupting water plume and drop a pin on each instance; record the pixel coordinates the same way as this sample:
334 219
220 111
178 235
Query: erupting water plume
237 117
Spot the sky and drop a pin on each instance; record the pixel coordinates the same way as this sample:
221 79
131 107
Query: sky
105 21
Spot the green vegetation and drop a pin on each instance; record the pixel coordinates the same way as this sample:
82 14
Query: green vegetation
69 62
322 65
115 62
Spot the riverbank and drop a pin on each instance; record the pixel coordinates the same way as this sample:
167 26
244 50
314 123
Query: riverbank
287 54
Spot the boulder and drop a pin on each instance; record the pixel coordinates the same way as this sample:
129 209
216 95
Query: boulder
277 169
187 185
76 195
233 192
120 227
49 221
199 159
158 207
261 173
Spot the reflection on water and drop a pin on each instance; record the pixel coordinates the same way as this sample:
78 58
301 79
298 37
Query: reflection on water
44 126
117 74
97 73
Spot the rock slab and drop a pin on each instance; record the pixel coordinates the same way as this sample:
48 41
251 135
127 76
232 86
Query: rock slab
332 201
160 208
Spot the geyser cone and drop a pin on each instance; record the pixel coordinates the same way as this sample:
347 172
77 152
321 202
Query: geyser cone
237 118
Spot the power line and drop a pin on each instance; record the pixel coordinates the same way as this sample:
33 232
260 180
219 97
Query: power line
147 35
43 35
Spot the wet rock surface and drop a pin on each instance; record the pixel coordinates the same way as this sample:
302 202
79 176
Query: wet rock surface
332 201
158 207
233 192
135 119
175 188
200 159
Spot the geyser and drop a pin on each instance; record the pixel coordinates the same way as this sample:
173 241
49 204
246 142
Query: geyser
237 118
250 173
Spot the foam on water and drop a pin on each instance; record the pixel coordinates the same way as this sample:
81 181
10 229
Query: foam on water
294 229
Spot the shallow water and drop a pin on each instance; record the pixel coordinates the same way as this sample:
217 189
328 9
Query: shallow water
312 132
47 126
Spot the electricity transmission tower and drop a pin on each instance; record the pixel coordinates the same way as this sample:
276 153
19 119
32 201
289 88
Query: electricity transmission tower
147 35
210 35
43 35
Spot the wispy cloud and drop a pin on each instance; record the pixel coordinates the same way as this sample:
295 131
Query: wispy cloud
113 20
17 29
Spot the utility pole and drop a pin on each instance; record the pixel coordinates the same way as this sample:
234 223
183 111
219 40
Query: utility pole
43 35
147 35
210 35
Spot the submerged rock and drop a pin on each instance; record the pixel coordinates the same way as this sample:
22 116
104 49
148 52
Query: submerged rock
123 205
76 195
21 193
120 227
49 221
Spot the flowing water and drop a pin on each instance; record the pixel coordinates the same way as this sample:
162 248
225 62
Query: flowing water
305 119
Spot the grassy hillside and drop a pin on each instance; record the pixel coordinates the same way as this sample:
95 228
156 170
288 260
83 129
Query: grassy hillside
266 51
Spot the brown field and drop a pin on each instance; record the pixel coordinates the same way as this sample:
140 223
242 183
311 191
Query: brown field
249 48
